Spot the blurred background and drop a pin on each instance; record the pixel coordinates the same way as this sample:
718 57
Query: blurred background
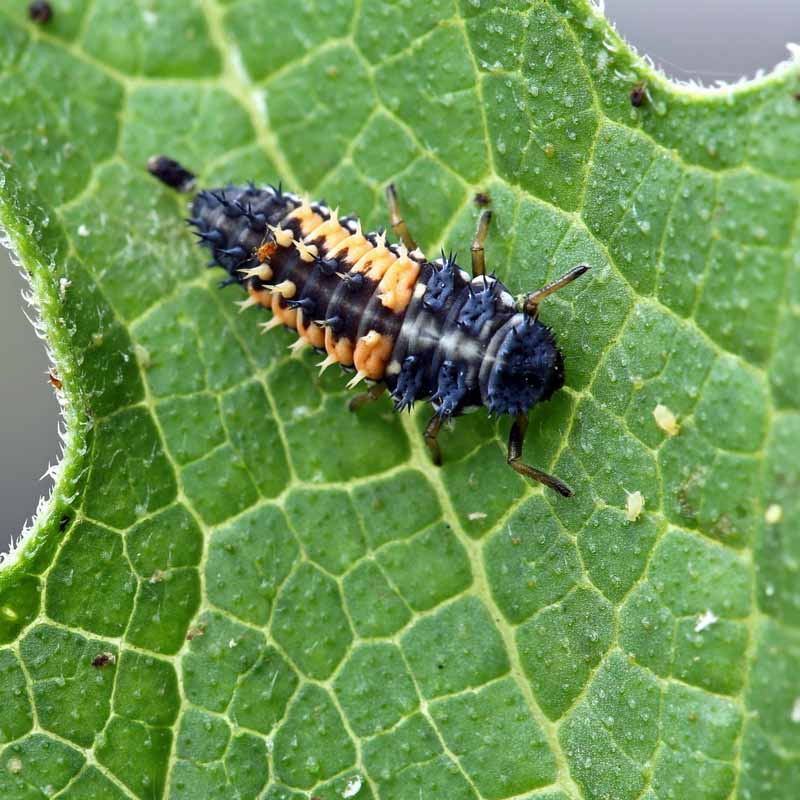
707 40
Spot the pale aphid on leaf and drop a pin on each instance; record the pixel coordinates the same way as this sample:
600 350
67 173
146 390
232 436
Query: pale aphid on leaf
421 329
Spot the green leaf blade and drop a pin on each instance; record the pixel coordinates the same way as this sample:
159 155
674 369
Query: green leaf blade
295 602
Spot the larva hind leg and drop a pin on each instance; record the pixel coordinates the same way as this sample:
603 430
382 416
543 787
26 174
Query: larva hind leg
398 223
515 441
365 398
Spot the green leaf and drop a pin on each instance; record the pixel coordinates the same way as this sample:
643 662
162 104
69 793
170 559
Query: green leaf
240 589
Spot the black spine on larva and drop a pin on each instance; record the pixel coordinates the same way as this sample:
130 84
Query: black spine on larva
232 223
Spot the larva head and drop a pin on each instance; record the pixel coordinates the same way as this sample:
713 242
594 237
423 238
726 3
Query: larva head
527 367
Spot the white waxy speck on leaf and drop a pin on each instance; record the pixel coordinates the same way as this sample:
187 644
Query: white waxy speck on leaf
142 355
705 620
353 786
774 514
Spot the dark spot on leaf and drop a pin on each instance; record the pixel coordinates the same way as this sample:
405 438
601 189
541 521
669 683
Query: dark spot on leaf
40 11
193 633
639 94
103 660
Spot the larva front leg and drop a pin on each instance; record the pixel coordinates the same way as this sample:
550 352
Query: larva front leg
398 223
516 439
478 260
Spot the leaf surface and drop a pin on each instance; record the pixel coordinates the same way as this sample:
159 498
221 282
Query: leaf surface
238 588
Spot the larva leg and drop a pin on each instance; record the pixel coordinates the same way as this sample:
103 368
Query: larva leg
365 398
398 223
431 435
530 302
478 262
515 441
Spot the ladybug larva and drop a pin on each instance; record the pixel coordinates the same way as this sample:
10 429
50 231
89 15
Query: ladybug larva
419 329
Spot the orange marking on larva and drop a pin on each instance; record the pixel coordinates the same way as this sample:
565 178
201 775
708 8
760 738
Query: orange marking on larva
375 263
331 232
356 246
397 285
341 349
262 296
308 219
316 335
288 316
266 251
372 354
363 264
311 332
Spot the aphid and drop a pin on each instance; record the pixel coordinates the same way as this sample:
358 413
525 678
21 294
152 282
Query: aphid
666 420
634 505
482 199
353 787
705 620
423 330
639 94
55 382
40 11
